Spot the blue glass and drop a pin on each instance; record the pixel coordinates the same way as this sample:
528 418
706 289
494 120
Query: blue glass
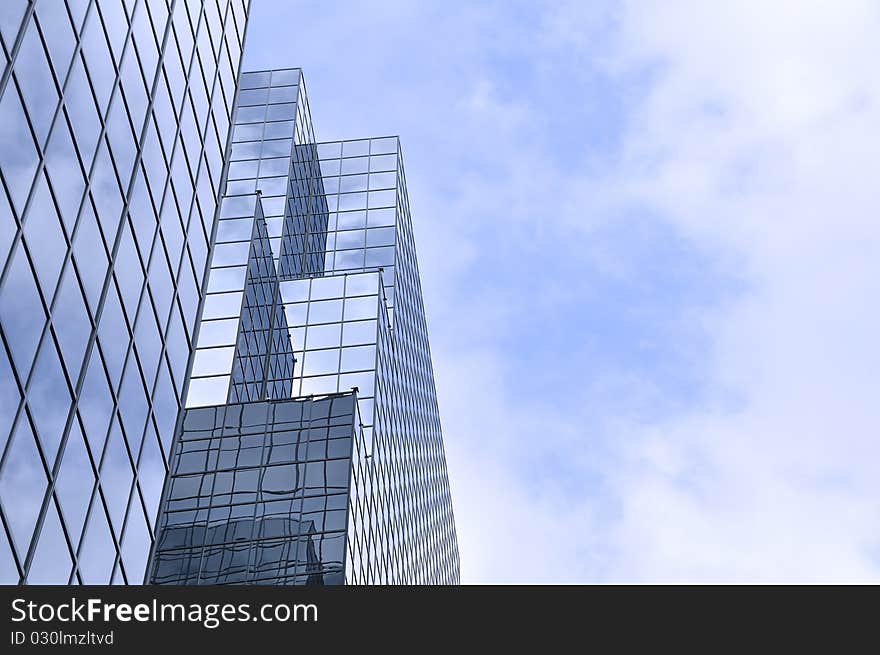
97 554
21 310
59 36
18 156
45 238
37 85
22 485
75 482
71 323
52 561
84 258
301 300
65 173
49 398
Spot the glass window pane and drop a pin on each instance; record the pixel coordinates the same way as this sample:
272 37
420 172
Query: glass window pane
35 79
351 220
255 96
122 145
8 227
8 569
323 336
18 156
383 163
383 236
350 240
380 257
321 362
207 391
325 311
98 61
62 166
285 76
9 399
358 359
383 198
218 333
283 94
359 332
45 238
11 13
51 563
22 486
151 472
254 80
21 311
116 477
362 284
90 256
49 398
98 553
129 272
95 406
350 183
247 132
357 309
283 112
106 194
133 405
142 216
133 90
382 146
135 544
81 109
276 148
279 130
148 345
383 180
115 23
58 34
74 483
71 323
214 361
177 347
381 217
113 336
355 165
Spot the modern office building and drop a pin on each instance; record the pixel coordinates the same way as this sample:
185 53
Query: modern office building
255 370
114 118
310 449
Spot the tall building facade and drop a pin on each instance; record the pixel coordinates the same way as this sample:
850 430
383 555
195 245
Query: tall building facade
310 450
114 118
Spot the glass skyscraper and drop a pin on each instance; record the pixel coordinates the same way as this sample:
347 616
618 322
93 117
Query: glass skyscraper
310 450
214 364
114 118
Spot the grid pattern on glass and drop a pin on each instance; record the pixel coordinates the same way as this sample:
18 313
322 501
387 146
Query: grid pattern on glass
402 527
306 239
339 307
323 340
114 118
263 362
273 152
258 494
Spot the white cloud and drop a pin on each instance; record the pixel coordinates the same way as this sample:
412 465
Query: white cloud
754 142
757 137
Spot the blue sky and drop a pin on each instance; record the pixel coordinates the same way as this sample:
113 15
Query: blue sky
647 237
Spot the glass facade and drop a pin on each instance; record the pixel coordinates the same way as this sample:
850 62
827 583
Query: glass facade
314 291
114 121
259 494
